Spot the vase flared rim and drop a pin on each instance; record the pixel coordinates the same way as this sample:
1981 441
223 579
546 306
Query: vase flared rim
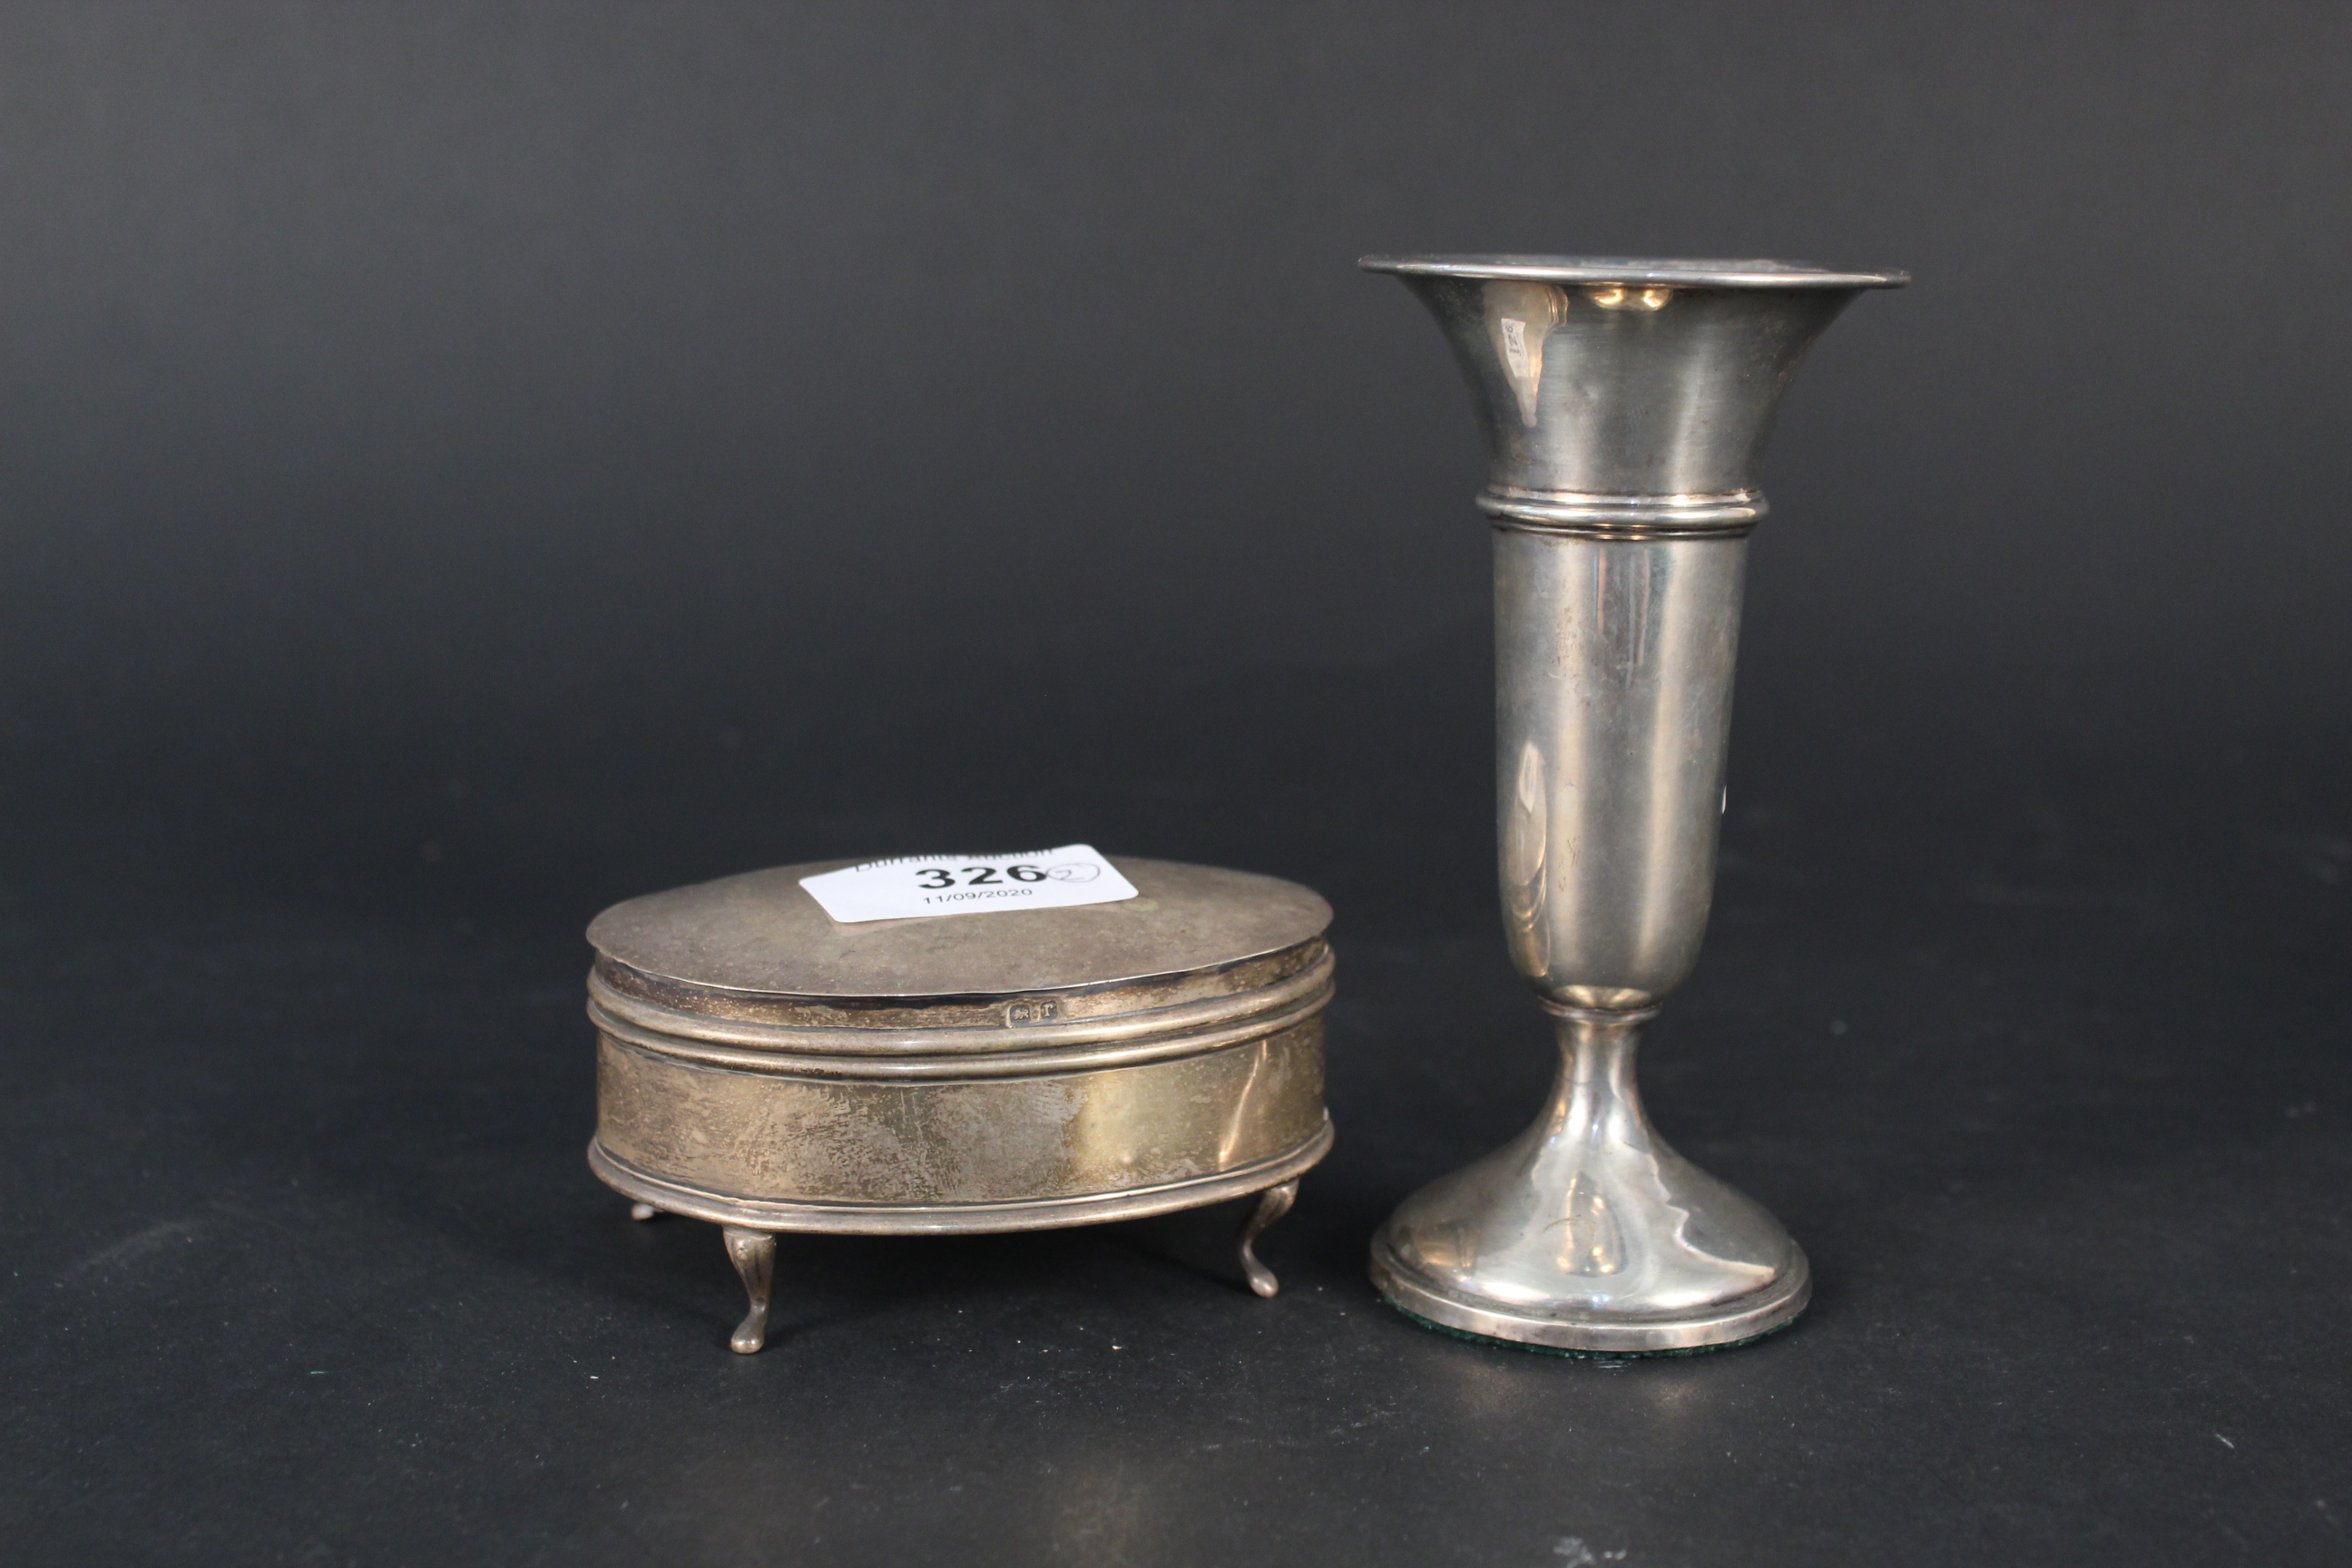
1674 271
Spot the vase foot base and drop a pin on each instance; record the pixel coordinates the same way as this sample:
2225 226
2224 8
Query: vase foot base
1725 1326
1534 1349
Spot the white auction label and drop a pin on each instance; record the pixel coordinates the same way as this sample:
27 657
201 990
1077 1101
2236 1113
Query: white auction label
915 885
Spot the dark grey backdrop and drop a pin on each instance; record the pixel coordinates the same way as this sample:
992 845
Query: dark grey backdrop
402 369
461 464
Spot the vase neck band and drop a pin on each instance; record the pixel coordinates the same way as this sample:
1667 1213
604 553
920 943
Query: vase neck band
1729 514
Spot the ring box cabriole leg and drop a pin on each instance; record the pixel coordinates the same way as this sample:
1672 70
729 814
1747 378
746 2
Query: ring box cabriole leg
1624 403
1272 1205
753 1253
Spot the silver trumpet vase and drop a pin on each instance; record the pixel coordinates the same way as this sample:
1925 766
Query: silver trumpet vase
1625 404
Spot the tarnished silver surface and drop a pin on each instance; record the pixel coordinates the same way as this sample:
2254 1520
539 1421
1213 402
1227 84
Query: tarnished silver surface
1625 404
764 1067
963 1219
881 1149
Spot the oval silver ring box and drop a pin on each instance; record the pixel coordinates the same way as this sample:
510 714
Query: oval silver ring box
763 1067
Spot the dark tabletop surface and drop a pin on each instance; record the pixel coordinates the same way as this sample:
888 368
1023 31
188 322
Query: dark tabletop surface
2037 1051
